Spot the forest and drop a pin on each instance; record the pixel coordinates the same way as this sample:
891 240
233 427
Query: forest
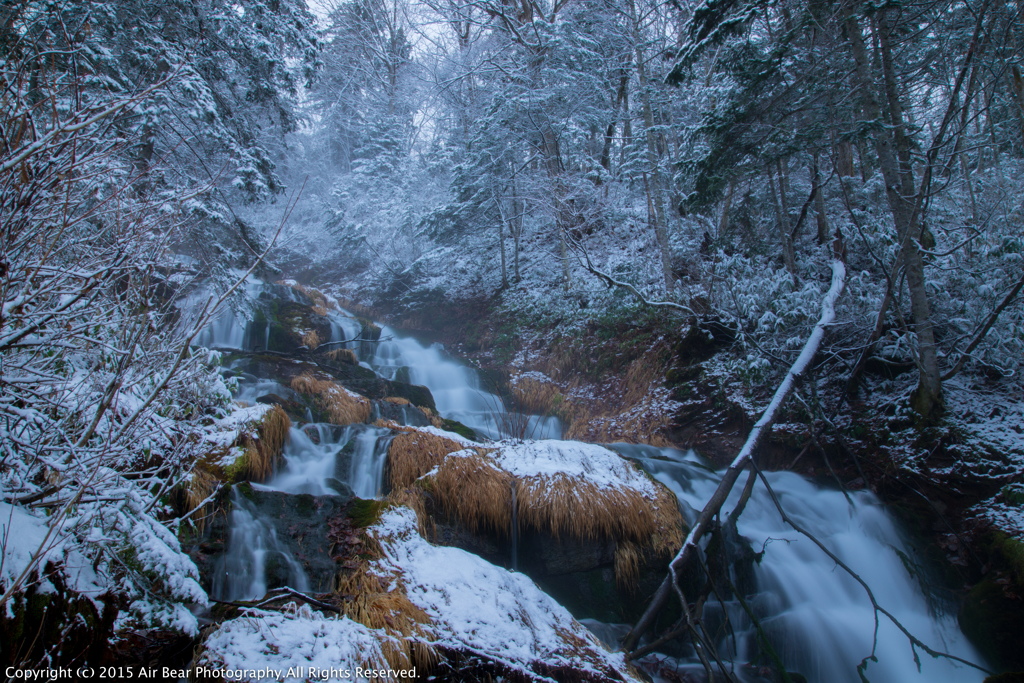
521 340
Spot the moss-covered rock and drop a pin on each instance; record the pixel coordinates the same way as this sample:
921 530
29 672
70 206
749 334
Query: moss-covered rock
460 429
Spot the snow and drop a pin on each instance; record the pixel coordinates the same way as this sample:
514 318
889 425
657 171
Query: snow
488 610
23 534
299 638
549 458
452 436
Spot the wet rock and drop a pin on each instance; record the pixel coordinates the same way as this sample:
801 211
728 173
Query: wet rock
992 617
406 414
283 369
289 406
343 489
299 522
543 555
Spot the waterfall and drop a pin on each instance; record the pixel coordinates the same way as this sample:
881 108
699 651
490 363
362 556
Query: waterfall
253 548
818 618
457 389
308 464
366 475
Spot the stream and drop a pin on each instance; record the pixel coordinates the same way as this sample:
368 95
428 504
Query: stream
819 619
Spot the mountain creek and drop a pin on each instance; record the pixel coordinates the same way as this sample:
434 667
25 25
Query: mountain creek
352 419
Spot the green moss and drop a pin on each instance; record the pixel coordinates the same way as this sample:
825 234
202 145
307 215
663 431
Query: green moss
1011 551
305 504
1014 494
246 490
364 513
460 429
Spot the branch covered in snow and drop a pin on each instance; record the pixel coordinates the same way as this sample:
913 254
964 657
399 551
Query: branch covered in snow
761 427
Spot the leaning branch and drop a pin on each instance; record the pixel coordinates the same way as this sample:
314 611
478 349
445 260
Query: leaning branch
763 425
1007 300
584 258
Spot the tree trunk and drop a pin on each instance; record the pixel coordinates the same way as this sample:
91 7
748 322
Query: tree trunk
655 188
760 429
788 255
819 202
893 150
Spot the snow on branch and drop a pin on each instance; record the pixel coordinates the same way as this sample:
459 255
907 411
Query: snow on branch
761 427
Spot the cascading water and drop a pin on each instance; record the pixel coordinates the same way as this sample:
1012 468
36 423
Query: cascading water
817 617
366 476
310 464
253 549
819 620
456 389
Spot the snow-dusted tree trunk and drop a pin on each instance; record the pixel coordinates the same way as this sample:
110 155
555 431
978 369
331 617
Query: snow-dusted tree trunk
760 429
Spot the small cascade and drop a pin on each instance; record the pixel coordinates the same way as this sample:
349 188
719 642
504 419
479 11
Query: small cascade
310 464
230 329
344 326
366 475
456 388
253 553
818 618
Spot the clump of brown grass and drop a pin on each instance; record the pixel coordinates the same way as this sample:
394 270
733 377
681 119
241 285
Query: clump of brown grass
636 416
263 451
311 339
581 509
434 418
201 486
347 356
413 453
475 490
321 304
669 524
414 498
383 605
536 397
342 406
627 564
398 400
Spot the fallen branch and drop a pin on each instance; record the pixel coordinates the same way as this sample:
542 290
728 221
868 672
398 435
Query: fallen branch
354 339
763 425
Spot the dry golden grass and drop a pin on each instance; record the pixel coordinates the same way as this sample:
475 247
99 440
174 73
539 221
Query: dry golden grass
398 400
536 397
321 304
581 509
412 454
414 498
200 487
634 416
367 600
311 339
342 407
668 522
627 565
476 491
263 452
347 356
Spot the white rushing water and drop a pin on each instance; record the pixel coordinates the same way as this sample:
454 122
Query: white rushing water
818 618
456 388
252 546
